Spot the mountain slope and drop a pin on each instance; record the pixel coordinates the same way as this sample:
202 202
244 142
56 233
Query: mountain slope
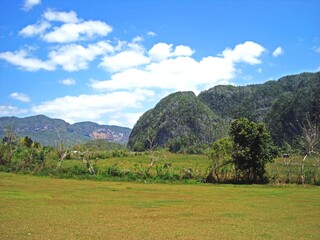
183 120
48 131
180 120
283 105
253 101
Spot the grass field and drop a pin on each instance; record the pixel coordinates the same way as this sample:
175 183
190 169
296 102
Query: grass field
45 208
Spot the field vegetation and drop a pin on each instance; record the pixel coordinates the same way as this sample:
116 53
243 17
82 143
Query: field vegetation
46 208
122 165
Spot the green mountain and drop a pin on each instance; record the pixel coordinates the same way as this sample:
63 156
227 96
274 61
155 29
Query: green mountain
178 121
183 120
283 105
48 131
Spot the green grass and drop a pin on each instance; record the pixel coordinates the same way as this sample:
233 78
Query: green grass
277 172
45 208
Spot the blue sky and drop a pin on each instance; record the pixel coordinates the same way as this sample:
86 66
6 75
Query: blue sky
110 61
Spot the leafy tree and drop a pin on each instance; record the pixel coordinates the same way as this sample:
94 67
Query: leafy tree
220 154
253 148
26 141
8 147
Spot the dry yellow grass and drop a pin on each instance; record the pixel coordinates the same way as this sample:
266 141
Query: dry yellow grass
45 208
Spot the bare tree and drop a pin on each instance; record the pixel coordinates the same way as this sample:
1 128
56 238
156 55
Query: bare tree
62 151
309 141
153 154
85 160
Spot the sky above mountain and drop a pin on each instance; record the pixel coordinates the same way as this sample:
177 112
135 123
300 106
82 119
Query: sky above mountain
110 61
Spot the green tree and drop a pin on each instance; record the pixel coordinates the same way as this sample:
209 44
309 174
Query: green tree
26 141
220 154
253 148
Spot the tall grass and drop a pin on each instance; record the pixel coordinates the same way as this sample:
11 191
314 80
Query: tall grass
125 166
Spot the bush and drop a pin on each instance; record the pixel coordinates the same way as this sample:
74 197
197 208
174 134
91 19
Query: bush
166 173
114 171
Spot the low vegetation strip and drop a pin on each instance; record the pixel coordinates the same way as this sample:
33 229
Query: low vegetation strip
46 208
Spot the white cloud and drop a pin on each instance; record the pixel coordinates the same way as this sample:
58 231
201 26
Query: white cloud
123 60
29 4
35 29
114 123
182 51
92 107
20 97
11 110
137 39
72 28
68 81
72 32
132 118
277 52
71 57
74 57
177 70
66 17
248 52
125 119
160 51
22 60
151 34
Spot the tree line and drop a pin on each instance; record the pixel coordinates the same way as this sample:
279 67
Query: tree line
246 155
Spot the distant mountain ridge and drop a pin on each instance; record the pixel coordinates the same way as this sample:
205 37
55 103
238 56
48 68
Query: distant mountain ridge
50 132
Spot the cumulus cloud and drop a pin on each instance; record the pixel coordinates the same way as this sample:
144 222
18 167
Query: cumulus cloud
125 119
175 69
68 81
160 51
35 29
23 60
182 51
277 52
74 57
123 60
72 28
6 110
151 34
20 97
29 4
247 52
66 17
70 57
92 107
71 32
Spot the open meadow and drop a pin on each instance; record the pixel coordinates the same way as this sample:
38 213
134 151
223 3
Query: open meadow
45 208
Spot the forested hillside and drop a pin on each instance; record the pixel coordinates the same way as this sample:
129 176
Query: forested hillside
284 105
254 101
178 121
184 119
